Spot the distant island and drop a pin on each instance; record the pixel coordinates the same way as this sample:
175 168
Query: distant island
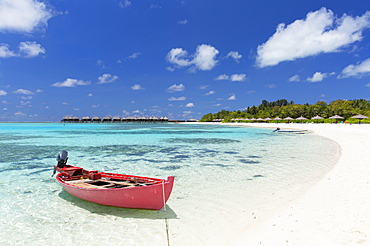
283 109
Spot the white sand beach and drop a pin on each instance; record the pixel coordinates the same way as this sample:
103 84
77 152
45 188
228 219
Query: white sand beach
335 210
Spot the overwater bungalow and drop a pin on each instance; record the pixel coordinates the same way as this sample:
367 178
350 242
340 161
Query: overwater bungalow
107 119
96 119
86 119
116 119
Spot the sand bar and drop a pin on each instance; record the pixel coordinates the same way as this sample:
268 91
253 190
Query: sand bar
335 210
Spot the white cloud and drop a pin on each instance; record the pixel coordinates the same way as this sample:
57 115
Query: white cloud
183 22
320 32
233 77
176 98
233 97
358 70
174 88
222 77
23 15
203 59
30 49
270 86
3 93
202 87
368 85
19 113
107 78
235 55
124 3
210 93
238 77
26 49
189 105
134 55
318 76
23 91
71 83
137 87
5 52
294 78
39 91
90 95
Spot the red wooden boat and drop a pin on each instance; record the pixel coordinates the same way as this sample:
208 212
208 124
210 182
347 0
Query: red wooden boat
111 189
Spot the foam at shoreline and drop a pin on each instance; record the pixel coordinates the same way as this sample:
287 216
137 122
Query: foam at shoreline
335 210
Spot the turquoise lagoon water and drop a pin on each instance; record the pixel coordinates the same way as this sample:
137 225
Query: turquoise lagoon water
224 175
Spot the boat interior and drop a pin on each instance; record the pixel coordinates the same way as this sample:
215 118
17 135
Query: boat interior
82 178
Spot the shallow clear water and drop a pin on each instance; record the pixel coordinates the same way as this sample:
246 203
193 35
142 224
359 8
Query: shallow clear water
223 174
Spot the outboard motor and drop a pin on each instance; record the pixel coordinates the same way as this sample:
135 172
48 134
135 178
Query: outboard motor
62 160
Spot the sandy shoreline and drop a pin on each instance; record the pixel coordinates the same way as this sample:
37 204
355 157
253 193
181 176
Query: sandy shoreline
334 211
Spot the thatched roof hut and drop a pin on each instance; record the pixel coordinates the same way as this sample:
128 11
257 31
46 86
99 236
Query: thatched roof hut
96 119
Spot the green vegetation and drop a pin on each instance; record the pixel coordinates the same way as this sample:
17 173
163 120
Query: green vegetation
282 109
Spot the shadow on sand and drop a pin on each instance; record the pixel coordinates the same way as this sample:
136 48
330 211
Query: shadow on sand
115 211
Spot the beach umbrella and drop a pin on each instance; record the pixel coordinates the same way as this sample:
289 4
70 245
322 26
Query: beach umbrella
267 119
359 117
288 118
301 118
336 117
277 118
317 118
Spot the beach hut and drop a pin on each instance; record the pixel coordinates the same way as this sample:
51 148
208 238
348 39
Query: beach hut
75 119
107 119
86 119
359 117
116 119
96 119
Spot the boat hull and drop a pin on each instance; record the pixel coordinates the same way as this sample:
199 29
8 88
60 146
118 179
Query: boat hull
153 196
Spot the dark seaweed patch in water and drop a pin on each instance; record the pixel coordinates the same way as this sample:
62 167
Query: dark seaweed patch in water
202 140
217 165
258 176
170 168
249 161
11 137
231 152
181 156
254 156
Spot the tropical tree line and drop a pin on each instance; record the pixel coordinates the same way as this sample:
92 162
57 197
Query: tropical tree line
283 108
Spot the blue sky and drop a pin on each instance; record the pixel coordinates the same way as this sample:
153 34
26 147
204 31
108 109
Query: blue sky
177 58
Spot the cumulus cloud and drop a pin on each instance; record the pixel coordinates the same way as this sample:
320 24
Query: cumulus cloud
137 87
358 70
176 98
3 93
294 78
30 49
235 55
71 83
189 105
233 97
26 49
107 78
210 93
234 77
238 77
320 32
318 76
203 59
174 88
183 22
222 77
23 91
134 55
23 15
19 113
124 3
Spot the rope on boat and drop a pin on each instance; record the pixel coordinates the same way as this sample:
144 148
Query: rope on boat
165 214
